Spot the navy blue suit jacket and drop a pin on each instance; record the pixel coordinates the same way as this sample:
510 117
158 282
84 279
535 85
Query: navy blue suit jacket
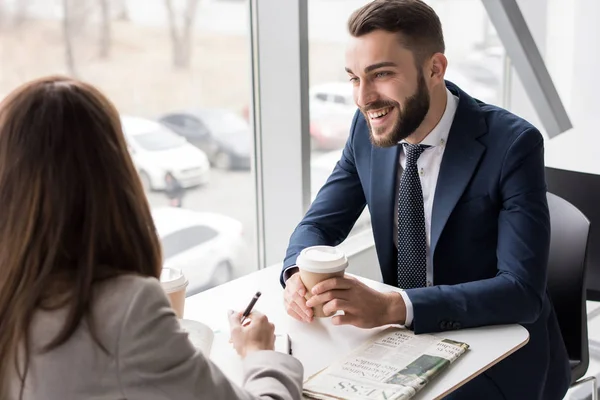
490 235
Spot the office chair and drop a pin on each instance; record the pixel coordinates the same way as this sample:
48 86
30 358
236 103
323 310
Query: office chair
567 264
583 191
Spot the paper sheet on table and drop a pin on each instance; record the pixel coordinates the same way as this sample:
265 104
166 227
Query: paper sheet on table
215 344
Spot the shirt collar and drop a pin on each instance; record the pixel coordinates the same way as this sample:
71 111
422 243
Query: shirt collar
439 134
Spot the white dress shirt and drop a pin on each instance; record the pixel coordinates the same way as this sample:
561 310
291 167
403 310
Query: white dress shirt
428 166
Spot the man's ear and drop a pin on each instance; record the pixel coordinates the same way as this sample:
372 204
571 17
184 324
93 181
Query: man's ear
437 67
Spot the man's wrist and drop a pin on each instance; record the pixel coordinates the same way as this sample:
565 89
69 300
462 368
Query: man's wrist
287 274
395 313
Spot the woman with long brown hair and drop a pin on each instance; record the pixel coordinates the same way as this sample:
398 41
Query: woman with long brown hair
82 314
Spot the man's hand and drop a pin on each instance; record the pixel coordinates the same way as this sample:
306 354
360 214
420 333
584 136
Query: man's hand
295 303
363 307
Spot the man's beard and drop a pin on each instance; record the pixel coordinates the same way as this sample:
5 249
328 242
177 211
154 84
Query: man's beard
409 119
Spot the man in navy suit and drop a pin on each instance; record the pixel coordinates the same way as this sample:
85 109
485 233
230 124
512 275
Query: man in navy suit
457 197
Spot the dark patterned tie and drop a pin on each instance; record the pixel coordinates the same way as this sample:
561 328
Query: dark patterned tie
412 242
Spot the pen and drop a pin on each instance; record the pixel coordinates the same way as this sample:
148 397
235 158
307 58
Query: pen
250 306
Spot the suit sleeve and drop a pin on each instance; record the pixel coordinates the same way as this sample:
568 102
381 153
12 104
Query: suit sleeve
156 360
335 209
515 294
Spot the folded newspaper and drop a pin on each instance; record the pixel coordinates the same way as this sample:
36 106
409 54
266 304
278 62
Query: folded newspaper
394 365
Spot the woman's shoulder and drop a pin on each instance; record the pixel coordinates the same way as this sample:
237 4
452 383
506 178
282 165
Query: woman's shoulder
127 283
112 300
115 296
125 288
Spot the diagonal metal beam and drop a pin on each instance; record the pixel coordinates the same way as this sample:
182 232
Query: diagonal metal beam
529 64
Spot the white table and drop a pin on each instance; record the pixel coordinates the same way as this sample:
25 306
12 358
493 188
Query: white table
317 344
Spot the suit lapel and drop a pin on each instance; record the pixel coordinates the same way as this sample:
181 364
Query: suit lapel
461 157
384 167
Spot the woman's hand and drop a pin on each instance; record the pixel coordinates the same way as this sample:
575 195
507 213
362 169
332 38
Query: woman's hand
259 334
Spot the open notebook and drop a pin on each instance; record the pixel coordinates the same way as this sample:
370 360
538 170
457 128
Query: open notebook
215 345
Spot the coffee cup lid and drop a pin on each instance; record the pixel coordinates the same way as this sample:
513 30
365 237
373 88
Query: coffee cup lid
322 259
172 279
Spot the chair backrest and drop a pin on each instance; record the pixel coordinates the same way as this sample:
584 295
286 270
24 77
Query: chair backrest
566 278
583 191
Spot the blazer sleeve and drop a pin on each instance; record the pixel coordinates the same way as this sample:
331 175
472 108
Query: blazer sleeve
516 293
335 209
156 360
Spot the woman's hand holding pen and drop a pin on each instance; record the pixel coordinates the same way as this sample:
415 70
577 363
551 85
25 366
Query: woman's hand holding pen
258 334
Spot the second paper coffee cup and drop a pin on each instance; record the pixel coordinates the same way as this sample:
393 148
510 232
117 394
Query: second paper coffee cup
318 263
174 283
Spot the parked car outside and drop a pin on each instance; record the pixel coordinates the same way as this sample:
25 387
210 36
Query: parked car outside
331 99
222 134
207 247
156 150
330 132
332 108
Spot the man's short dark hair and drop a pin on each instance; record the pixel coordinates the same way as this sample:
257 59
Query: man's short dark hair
419 26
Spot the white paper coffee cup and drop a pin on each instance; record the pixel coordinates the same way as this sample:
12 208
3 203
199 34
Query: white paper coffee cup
322 260
318 263
174 283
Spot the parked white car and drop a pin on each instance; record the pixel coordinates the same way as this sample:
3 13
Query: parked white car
331 99
207 247
156 150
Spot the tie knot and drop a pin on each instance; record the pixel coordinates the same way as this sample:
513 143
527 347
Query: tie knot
413 151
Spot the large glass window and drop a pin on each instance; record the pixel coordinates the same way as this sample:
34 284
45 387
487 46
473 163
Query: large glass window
179 74
476 57
564 32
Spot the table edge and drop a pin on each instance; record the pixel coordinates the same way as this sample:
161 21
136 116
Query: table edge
486 367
